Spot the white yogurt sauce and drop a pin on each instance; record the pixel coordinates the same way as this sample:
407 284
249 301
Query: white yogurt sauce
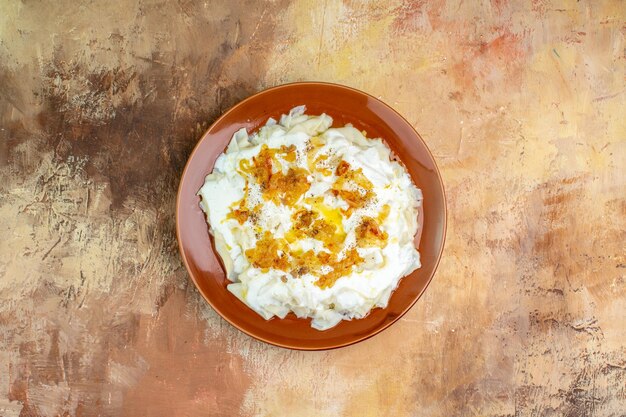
274 292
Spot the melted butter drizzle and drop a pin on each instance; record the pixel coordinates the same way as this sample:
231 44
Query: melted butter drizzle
320 222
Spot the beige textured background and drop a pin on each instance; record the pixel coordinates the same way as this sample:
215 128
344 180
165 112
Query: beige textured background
522 103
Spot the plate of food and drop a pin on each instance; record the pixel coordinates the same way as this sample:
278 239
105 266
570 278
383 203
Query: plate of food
311 216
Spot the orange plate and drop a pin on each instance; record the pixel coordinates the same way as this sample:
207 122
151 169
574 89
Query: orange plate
344 105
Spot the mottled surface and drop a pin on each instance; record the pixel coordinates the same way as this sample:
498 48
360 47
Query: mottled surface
522 104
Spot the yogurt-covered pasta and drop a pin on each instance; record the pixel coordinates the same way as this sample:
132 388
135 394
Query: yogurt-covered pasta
310 219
